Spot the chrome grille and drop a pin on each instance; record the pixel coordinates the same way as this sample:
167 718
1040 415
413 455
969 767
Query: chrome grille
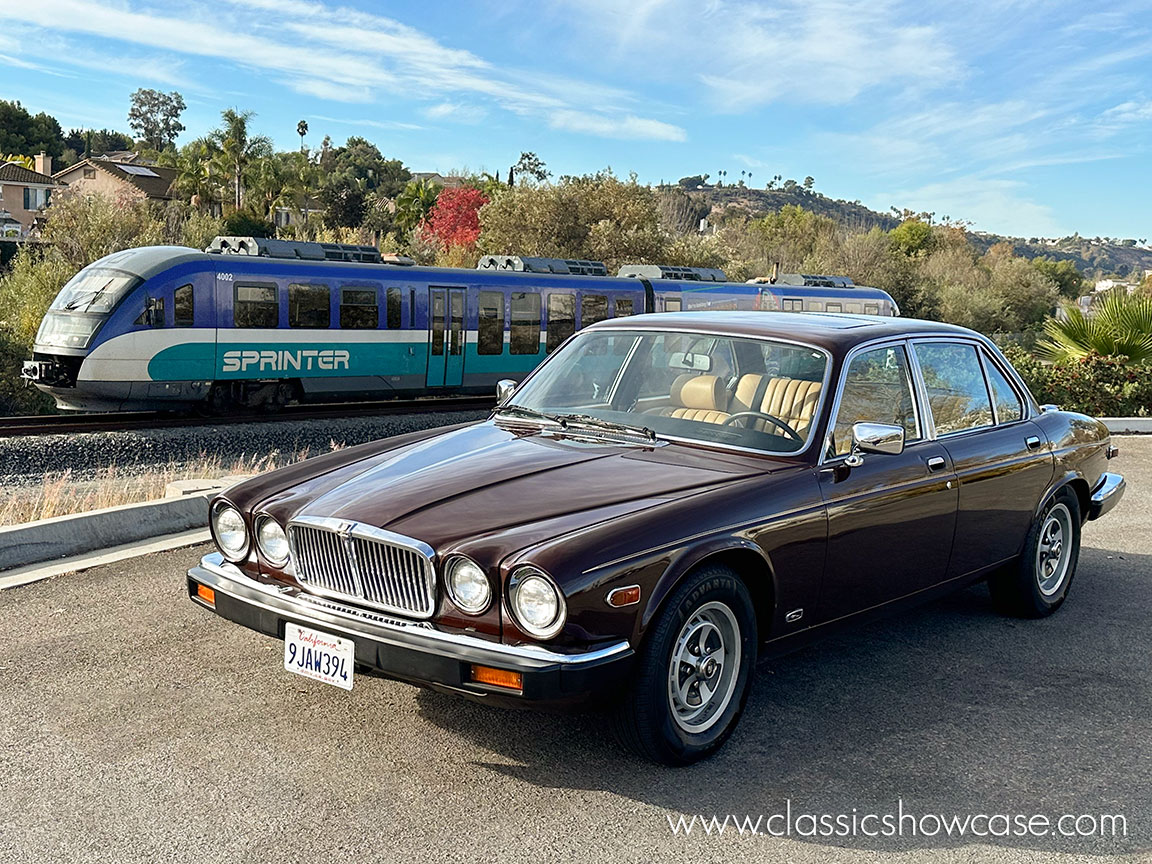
388 571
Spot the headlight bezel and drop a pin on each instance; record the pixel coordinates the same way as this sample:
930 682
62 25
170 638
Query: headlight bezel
257 527
449 567
523 574
241 553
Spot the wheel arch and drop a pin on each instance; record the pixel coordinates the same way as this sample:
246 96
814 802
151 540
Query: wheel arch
1078 484
742 556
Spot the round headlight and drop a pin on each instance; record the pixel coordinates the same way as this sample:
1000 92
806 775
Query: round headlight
536 603
272 540
468 585
230 531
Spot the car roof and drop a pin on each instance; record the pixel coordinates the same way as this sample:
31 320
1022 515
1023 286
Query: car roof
835 332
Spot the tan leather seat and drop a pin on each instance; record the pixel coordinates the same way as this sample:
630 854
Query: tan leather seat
790 399
696 397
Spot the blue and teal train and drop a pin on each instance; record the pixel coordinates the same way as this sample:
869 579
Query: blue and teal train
251 323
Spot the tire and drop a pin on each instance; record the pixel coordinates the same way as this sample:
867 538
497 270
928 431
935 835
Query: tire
1037 583
672 721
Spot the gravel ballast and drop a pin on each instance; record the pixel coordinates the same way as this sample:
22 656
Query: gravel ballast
25 460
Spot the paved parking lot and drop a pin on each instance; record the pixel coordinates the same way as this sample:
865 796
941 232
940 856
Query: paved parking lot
136 727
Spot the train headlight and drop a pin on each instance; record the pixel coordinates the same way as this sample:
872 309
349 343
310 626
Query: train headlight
467 585
229 530
536 602
271 540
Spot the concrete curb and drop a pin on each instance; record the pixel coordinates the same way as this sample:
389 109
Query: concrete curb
1121 425
77 533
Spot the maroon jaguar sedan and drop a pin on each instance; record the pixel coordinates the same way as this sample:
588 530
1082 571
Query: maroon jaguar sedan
664 500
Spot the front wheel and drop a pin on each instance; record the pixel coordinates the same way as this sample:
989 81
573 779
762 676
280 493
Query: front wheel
694 671
1037 584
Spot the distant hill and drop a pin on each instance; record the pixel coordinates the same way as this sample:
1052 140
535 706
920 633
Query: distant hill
1093 257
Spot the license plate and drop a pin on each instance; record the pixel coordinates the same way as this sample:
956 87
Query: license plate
319 656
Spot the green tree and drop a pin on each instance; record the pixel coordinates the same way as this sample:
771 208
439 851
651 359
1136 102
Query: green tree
155 117
415 202
693 182
197 179
913 237
1069 281
530 165
360 162
1119 326
302 130
238 149
343 204
23 134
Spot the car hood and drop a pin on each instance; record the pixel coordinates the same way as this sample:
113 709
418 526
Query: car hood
485 479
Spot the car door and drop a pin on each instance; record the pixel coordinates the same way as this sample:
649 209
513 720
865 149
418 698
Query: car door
891 519
1003 460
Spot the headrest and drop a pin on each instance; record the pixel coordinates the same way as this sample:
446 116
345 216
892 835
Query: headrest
702 392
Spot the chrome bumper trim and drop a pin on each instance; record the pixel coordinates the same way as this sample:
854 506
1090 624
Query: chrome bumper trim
219 575
1106 495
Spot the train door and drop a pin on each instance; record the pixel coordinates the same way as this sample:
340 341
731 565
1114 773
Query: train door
445 337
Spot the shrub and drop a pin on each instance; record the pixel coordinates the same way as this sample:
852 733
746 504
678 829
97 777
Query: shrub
1093 384
244 224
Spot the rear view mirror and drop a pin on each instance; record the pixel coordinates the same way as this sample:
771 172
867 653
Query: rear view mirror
880 438
504 390
689 361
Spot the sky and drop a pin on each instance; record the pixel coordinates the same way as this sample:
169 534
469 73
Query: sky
1023 118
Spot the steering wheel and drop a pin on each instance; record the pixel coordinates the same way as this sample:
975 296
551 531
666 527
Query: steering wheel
775 421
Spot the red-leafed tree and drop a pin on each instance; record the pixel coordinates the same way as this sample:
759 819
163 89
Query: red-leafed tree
455 219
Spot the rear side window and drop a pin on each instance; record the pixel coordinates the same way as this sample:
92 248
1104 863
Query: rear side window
1008 407
256 305
593 308
561 318
957 394
184 306
490 323
308 306
525 335
359 309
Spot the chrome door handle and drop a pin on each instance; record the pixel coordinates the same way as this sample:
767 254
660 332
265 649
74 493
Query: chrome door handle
936 463
1033 442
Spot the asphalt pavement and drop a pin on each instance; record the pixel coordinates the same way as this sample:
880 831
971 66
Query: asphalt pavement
135 726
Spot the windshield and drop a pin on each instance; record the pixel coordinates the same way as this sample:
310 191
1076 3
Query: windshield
755 393
94 289
66 330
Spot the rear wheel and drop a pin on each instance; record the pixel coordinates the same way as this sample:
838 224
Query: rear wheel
694 671
1038 582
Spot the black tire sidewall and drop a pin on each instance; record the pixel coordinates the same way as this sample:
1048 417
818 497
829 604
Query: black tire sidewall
1040 604
674 744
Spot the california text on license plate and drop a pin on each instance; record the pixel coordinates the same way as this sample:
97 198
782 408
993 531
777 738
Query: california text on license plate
319 656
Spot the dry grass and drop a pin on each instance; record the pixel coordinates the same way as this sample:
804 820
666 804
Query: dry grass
60 493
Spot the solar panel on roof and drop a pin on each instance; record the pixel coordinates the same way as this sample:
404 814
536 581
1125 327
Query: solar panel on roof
138 170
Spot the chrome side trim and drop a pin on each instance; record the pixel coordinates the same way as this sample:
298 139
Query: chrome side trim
228 579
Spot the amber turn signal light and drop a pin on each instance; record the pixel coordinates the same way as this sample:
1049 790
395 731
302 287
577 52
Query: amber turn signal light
206 594
505 678
624 596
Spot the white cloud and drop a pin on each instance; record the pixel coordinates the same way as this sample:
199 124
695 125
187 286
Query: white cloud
1129 112
376 124
456 112
605 126
341 54
995 205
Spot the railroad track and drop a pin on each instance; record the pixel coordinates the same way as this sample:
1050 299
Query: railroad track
67 424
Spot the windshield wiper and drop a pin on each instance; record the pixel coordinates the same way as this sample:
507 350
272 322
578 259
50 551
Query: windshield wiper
531 413
610 425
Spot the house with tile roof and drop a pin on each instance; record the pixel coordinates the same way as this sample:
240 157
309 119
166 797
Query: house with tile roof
114 178
24 195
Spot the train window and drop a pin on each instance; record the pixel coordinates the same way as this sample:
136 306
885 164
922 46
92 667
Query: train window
185 308
561 318
834 307
412 309
815 306
789 304
490 323
309 306
671 304
593 308
437 323
256 306
456 322
525 335
623 307
852 307
359 309
394 318
871 308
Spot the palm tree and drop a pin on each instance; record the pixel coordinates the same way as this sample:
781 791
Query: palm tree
415 203
238 148
302 130
196 178
1120 326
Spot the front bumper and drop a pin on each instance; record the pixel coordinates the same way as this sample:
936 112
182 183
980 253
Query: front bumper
1106 495
416 651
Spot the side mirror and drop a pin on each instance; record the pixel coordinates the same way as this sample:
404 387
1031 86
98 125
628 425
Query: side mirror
880 438
504 390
